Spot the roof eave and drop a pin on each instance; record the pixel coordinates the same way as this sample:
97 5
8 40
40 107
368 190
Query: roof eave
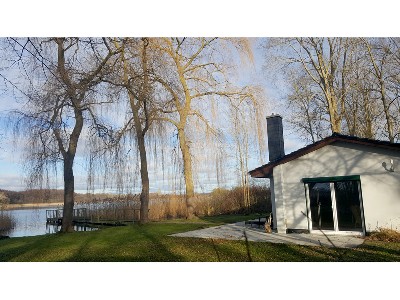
265 171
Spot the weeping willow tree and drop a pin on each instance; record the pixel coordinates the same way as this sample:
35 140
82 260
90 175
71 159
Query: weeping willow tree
173 95
135 84
248 132
61 79
199 70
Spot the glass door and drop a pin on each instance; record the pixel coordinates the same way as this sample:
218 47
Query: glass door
348 206
321 206
335 206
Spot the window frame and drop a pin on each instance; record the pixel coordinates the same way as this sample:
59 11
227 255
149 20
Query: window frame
331 181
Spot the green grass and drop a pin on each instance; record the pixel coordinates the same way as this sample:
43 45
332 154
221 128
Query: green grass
151 242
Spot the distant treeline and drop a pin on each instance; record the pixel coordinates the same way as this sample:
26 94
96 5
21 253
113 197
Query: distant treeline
47 196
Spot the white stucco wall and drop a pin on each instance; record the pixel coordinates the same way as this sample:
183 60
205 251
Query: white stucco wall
380 188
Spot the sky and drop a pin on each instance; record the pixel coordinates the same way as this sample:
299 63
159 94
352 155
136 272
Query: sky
12 176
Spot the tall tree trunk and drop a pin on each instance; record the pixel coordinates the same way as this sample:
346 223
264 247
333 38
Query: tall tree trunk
334 117
69 189
188 173
144 176
67 225
368 129
369 133
309 121
141 129
389 123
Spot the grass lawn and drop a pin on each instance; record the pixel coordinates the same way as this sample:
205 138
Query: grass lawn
151 243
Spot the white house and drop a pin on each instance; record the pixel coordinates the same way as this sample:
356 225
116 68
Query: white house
339 185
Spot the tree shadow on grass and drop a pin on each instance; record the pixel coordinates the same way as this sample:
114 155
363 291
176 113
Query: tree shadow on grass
49 247
81 252
297 253
386 249
228 251
371 253
139 243
27 249
152 243
155 250
281 252
215 249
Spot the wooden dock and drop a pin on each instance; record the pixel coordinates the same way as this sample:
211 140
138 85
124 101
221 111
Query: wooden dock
54 216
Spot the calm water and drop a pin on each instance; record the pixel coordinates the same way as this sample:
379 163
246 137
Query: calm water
31 222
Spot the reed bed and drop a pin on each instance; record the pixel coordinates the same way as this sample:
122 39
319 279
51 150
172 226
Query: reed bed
171 206
6 223
119 208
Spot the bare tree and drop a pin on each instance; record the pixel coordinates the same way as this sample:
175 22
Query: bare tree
361 108
134 75
356 79
61 97
382 60
307 107
197 73
324 62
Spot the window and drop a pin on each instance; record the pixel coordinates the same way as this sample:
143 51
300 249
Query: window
334 203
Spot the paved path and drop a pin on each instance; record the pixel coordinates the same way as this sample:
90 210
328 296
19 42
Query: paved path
238 230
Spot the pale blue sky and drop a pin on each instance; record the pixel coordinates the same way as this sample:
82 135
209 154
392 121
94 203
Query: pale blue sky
11 162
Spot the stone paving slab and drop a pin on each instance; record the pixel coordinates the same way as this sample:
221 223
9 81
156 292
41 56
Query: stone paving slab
237 231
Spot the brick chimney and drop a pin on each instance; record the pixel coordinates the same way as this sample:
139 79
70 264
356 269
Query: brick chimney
276 147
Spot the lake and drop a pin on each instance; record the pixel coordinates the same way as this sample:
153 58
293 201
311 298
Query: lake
31 222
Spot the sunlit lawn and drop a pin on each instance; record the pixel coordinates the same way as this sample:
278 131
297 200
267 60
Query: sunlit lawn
151 243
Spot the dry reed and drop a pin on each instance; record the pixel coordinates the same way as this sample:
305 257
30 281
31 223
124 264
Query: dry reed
6 223
171 206
385 235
